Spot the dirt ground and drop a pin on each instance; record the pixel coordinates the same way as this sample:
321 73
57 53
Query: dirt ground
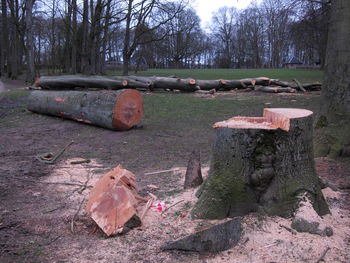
43 220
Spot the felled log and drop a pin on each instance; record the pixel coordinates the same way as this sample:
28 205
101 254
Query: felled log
261 163
212 91
256 81
113 201
312 86
214 239
233 84
188 85
75 81
117 110
274 89
209 84
277 82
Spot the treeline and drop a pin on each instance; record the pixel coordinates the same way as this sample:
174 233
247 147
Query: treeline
70 36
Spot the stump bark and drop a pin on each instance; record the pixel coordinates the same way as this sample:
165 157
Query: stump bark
217 238
117 110
261 163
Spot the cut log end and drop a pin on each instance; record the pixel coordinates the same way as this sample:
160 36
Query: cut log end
128 110
272 119
281 117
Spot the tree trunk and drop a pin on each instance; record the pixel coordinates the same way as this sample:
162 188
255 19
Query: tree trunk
73 81
336 84
4 38
84 57
126 44
30 41
118 110
261 163
74 38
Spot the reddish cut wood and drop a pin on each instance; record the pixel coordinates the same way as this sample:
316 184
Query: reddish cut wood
261 164
273 118
113 200
117 110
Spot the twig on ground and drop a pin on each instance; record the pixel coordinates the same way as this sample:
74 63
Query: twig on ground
74 216
49 158
289 229
148 205
81 161
323 255
163 171
86 182
40 182
166 209
8 226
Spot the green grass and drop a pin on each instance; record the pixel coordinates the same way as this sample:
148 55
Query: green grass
303 75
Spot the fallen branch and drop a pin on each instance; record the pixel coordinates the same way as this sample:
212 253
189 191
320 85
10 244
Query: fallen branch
289 229
323 255
166 209
147 206
81 161
163 171
76 213
49 158
299 85
40 182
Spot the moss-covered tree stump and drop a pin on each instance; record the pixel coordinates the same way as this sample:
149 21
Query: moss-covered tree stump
261 163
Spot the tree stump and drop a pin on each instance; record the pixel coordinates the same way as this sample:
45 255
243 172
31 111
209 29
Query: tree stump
261 163
117 110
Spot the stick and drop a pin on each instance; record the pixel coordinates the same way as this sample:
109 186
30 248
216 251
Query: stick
299 85
323 255
76 213
40 182
41 157
80 162
166 209
163 171
289 229
148 205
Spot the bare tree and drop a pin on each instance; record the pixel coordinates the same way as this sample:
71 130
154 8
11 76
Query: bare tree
29 40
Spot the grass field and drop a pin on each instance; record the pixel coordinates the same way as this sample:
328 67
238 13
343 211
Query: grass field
303 75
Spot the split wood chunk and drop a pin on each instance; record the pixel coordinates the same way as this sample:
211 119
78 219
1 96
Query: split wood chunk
261 164
113 200
117 110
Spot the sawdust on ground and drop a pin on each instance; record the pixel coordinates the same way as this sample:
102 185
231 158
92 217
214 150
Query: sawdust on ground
264 239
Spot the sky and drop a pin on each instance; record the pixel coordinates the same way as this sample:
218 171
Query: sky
204 8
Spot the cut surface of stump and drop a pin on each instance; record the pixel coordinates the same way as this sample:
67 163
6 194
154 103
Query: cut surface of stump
261 164
117 110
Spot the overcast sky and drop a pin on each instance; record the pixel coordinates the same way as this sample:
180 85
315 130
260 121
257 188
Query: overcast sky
205 8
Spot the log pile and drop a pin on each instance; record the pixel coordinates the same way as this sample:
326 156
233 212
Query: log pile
143 83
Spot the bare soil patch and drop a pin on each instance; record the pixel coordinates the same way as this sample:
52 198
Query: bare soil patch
44 222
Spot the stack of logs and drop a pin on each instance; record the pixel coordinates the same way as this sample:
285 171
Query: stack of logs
262 84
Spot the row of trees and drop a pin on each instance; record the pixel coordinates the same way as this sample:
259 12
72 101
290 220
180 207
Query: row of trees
73 36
